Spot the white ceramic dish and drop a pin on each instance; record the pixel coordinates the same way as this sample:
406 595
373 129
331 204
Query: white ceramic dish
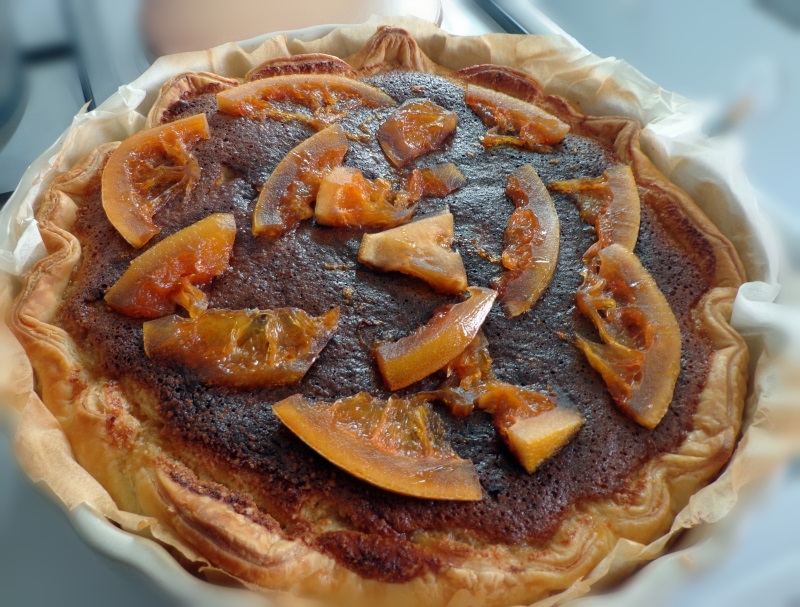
155 562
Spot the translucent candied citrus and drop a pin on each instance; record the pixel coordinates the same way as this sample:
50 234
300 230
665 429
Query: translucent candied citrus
433 345
320 92
397 445
514 121
169 271
437 181
610 203
242 348
640 354
415 128
536 439
285 200
421 249
531 242
531 424
465 377
147 171
348 199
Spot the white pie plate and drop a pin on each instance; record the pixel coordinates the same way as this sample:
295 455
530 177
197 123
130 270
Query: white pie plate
708 543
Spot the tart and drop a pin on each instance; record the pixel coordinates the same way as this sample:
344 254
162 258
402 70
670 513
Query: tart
378 330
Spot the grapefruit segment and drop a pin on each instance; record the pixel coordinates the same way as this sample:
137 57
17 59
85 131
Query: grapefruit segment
149 170
397 445
417 127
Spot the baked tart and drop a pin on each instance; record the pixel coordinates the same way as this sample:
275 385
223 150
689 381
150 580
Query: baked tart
376 330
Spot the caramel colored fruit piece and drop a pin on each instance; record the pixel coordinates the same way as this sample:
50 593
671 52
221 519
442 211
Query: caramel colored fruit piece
147 171
421 249
437 181
465 377
320 92
242 348
433 345
531 242
610 203
169 271
640 357
514 121
285 200
536 439
415 128
397 445
348 199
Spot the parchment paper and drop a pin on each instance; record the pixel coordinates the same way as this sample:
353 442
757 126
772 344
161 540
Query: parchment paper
709 170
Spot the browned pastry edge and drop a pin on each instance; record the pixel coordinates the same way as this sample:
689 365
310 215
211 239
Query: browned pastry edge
233 535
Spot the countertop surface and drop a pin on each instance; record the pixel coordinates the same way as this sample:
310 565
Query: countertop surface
723 49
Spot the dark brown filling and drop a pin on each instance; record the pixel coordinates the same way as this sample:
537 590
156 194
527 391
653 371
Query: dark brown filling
315 269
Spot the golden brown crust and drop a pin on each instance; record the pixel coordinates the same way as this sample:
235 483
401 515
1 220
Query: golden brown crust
228 529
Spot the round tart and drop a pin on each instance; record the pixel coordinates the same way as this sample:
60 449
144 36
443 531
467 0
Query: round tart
379 330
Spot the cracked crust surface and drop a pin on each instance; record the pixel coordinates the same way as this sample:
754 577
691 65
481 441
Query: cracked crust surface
228 528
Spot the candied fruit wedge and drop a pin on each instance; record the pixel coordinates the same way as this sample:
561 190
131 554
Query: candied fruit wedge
348 199
242 348
610 203
398 445
433 345
149 170
421 249
169 271
514 121
640 357
417 127
465 377
531 424
319 92
436 182
536 439
285 200
531 243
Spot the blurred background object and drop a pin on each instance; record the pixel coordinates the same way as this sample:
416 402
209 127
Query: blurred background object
741 55
174 26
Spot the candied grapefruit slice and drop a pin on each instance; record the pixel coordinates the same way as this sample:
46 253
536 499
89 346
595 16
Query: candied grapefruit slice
433 345
147 171
417 127
531 242
536 439
640 357
610 203
285 200
421 249
242 348
348 199
315 91
514 121
397 445
437 181
169 271
465 377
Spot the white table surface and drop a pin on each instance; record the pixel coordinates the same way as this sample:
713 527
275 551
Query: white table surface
43 562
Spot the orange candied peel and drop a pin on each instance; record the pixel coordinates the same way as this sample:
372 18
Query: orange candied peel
610 203
531 242
514 121
433 345
421 249
640 354
170 271
465 377
436 182
397 445
417 127
348 199
285 200
324 94
149 170
242 348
